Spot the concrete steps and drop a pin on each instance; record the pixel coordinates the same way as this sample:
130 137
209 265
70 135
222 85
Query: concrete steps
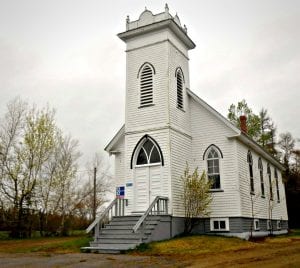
118 235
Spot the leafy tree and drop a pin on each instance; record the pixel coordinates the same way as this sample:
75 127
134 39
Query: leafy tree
253 120
267 132
37 166
287 144
196 197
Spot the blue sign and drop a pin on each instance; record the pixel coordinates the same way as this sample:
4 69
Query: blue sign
120 192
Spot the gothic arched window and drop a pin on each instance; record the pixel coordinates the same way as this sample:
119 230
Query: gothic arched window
277 185
270 181
213 167
179 80
148 154
146 84
261 174
250 163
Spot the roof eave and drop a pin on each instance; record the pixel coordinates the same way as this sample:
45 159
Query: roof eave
170 23
115 139
257 148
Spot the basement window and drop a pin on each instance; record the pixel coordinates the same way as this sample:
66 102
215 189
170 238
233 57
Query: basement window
279 225
221 224
256 224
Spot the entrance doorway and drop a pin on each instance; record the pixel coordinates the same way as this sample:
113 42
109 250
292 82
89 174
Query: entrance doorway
147 174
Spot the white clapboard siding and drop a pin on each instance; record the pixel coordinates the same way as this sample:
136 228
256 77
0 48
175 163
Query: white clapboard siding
119 162
207 129
260 204
180 155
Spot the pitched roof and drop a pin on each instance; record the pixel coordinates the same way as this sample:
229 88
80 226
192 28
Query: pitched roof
241 136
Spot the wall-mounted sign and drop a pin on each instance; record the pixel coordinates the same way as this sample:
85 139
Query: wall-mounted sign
129 184
120 192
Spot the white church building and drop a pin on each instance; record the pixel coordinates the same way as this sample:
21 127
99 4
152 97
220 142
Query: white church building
167 126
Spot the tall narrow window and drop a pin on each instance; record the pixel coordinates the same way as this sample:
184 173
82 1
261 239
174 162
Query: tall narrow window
146 81
179 89
213 168
270 181
261 174
277 186
250 163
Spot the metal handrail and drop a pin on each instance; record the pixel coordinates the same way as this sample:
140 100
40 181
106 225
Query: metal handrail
149 211
118 212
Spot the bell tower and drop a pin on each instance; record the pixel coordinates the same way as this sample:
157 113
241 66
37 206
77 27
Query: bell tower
157 71
157 108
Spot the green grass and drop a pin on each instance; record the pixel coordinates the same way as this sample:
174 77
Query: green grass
193 245
206 244
69 244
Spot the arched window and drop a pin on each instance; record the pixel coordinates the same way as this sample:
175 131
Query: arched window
179 79
261 174
250 163
213 167
270 181
277 186
146 83
148 153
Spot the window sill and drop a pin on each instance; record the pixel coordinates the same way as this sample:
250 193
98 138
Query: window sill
216 190
252 193
146 105
263 196
181 109
220 230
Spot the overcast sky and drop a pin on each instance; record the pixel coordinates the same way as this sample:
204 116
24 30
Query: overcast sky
65 53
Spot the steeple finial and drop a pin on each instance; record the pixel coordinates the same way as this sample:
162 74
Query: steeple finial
166 8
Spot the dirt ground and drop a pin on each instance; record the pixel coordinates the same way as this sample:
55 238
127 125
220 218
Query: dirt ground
277 254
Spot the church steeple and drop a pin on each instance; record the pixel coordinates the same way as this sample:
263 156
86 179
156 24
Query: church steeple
157 72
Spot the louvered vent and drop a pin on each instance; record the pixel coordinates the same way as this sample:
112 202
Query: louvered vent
146 86
179 91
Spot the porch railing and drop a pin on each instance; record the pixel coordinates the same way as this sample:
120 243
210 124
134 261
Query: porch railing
159 206
115 208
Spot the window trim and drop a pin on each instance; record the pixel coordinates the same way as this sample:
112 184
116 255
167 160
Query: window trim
179 90
271 197
251 175
256 228
277 185
261 175
279 225
146 88
220 156
139 144
226 229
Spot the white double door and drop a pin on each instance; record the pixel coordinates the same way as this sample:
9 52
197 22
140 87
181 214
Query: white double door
147 186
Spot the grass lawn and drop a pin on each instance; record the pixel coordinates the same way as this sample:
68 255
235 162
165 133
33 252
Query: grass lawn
208 244
71 244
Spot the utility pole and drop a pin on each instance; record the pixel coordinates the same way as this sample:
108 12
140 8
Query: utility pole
94 203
